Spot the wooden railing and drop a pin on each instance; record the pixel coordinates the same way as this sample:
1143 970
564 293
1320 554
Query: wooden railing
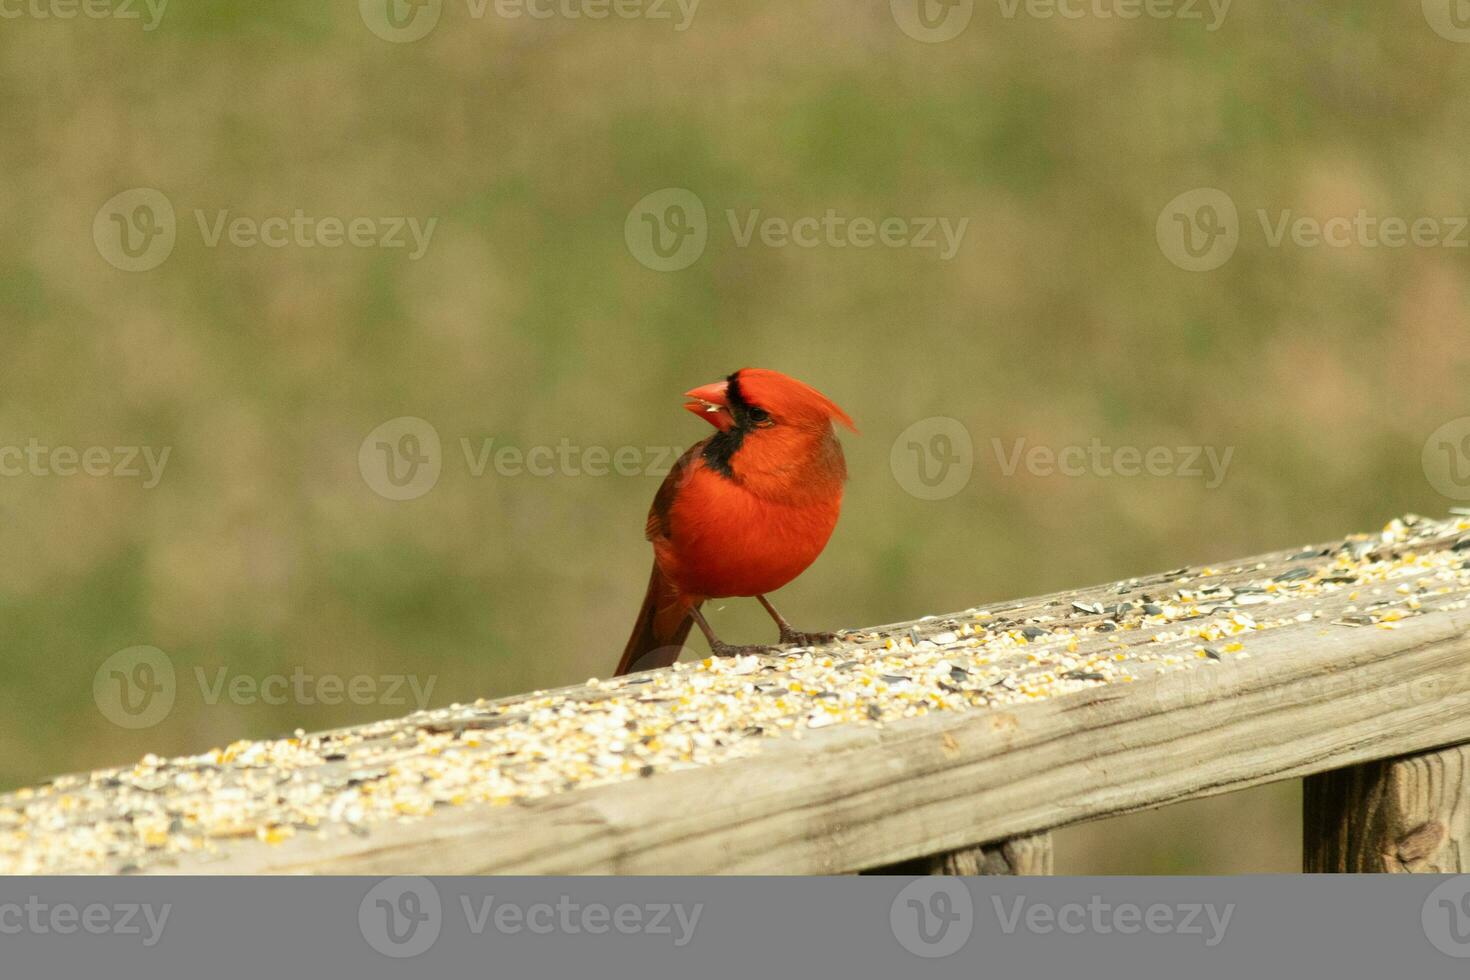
947 745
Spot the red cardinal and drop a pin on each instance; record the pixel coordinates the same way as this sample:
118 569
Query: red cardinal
742 513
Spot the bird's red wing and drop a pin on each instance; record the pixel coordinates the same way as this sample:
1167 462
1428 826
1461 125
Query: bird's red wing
663 501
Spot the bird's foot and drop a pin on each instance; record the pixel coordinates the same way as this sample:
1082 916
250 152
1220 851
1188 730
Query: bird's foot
730 650
796 638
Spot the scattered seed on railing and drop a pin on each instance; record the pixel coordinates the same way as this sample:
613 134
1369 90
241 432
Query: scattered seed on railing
712 711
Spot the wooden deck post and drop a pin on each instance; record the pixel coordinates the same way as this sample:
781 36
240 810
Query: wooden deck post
1410 814
1020 856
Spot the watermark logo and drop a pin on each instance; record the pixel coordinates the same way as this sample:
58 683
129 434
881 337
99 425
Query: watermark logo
401 459
667 230
1202 683
934 458
566 458
1181 10
135 688
406 21
136 230
401 917
1450 19
309 690
1446 459
933 917
834 230
1446 917
652 10
150 12
932 21
302 230
1097 459
1363 230
401 21
39 918
1199 230
138 687
567 917
1100 917
36 459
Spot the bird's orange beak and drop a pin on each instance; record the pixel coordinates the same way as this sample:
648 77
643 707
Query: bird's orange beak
712 403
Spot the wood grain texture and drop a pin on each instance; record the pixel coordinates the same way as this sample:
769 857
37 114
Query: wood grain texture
1310 700
1364 666
1405 815
1022 856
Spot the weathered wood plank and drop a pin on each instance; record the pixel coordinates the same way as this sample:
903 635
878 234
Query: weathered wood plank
1409 814
857 799
1006 723
1021 856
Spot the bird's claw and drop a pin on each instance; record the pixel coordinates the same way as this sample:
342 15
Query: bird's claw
796 638
730 650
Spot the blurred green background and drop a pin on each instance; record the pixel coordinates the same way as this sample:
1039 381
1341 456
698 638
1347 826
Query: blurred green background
264 550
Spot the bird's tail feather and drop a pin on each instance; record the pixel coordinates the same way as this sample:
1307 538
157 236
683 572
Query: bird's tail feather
663 624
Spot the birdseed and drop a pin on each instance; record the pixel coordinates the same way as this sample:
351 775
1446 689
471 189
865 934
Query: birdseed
155 813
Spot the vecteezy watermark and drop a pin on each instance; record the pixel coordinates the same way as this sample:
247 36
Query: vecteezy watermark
934 458
678 13
1446 917
936 21
135 688
1100 460
933 917
567 458
405 21
401 917
308 690
404 917
403 459
150 12
1200 229
833 230
136 231
932 21
568 917
1450 19
1204 683
401 21
39 918
36 459
1446 459
1098 916
138 687
1211 13
304 231
669 230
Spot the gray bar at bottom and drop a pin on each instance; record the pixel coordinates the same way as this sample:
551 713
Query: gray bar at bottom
1013 928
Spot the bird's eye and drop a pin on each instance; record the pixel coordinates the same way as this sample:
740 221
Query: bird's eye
760 417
